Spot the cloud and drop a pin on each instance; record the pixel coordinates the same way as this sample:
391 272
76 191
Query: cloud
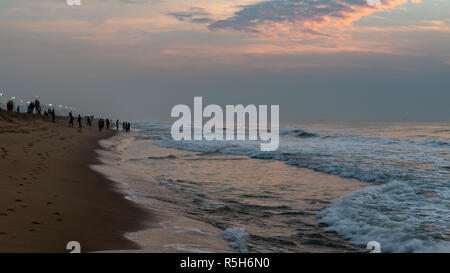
301 19
193 15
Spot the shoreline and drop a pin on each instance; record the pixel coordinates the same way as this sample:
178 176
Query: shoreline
50 195
172 229
180 188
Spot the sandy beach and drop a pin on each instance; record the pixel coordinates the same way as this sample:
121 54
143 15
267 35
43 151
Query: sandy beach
49 195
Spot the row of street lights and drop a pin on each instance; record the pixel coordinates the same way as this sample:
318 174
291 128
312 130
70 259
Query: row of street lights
61 107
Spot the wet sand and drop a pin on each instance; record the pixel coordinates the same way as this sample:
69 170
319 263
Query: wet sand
49 195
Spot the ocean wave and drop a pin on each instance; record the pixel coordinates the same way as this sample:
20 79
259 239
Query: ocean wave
300 133
401 216
236 238
349 160
436 143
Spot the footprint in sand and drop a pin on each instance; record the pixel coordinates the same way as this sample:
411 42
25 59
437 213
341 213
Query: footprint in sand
4 152
3 214
18 200
32 230
10 209
3 233
36 223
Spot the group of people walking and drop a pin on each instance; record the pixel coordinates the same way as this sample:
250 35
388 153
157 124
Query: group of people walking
34 107
126 126
101 123
72 118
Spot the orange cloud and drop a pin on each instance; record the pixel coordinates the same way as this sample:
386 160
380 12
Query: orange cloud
302 19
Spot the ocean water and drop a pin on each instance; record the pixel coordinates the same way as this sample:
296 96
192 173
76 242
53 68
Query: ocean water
329 186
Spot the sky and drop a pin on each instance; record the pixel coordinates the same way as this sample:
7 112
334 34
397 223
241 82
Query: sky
317 59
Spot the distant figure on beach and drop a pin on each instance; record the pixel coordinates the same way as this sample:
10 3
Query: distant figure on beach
71 118
37 104
53 115
128 127
31 108
123 126
18 109
101 124
10 106
79 121
88 121
107 124
46 113
117 125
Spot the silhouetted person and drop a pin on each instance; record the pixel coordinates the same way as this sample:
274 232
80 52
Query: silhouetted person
37 105
79 121
71 119
18 109
88 121
107 124
10 106
52 113
123 126
128 125
101 124
117 125
31 108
